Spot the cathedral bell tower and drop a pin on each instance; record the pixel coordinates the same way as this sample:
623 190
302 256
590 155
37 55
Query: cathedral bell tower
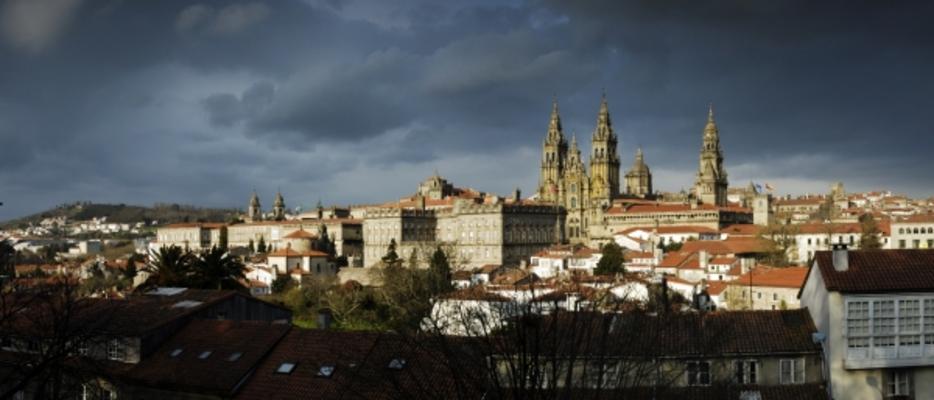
278 209
711 184
254 211
604 160
554 152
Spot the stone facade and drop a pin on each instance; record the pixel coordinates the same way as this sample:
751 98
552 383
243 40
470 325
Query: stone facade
595 205
477 229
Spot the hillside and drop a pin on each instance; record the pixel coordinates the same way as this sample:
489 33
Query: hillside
122 213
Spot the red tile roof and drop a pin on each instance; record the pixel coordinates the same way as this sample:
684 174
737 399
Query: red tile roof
788 277
288 252
301 234
879 271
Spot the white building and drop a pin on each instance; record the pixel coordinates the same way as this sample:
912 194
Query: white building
874 311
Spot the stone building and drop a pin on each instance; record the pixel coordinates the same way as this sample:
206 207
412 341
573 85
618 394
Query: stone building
597 206
477 228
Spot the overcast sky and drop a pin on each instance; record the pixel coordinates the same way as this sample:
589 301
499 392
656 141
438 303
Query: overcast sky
353 101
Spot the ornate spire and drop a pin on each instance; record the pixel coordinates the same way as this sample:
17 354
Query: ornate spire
555 134
604 125
280 202
639 158
254 200
710 130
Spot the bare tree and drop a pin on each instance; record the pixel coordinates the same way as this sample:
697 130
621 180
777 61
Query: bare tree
47 329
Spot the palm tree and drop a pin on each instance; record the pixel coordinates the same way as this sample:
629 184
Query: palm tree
218 269
170 266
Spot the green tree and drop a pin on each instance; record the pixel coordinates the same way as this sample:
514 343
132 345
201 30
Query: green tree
391 258
282 284
611 260
169 266
218 269
869 238
251 246
222 241
261 246
439 273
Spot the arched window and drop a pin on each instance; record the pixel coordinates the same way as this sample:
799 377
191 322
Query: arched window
573 202
573 188
901 230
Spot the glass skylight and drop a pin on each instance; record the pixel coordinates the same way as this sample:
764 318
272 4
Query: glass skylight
326 371
285 368
204 354
176 352
397 363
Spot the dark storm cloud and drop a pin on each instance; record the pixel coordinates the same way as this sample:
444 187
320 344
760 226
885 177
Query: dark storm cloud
353 101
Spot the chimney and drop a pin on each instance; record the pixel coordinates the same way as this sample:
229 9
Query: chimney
841 259
324 318
703 259
517 196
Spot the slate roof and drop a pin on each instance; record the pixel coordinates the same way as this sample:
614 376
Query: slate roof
218 373
879 271
686 335
362 369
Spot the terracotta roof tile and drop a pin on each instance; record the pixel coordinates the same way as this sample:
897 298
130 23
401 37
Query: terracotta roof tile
878 271
788 277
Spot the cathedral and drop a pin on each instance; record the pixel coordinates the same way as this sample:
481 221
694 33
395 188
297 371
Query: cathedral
589 193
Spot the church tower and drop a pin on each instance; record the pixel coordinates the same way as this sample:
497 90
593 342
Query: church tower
554 152
576 194
278 209
604 161
711 184
639 178
254 211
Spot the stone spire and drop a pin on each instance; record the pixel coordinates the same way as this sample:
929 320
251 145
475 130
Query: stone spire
555 134
604 161
604 129
554 152
711 184
254 210
711 133
278 208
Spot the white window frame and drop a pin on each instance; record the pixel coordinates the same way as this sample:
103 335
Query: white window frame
898 383
791 371
746 371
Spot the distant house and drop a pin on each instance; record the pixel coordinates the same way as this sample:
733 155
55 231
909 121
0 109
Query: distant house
766 288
